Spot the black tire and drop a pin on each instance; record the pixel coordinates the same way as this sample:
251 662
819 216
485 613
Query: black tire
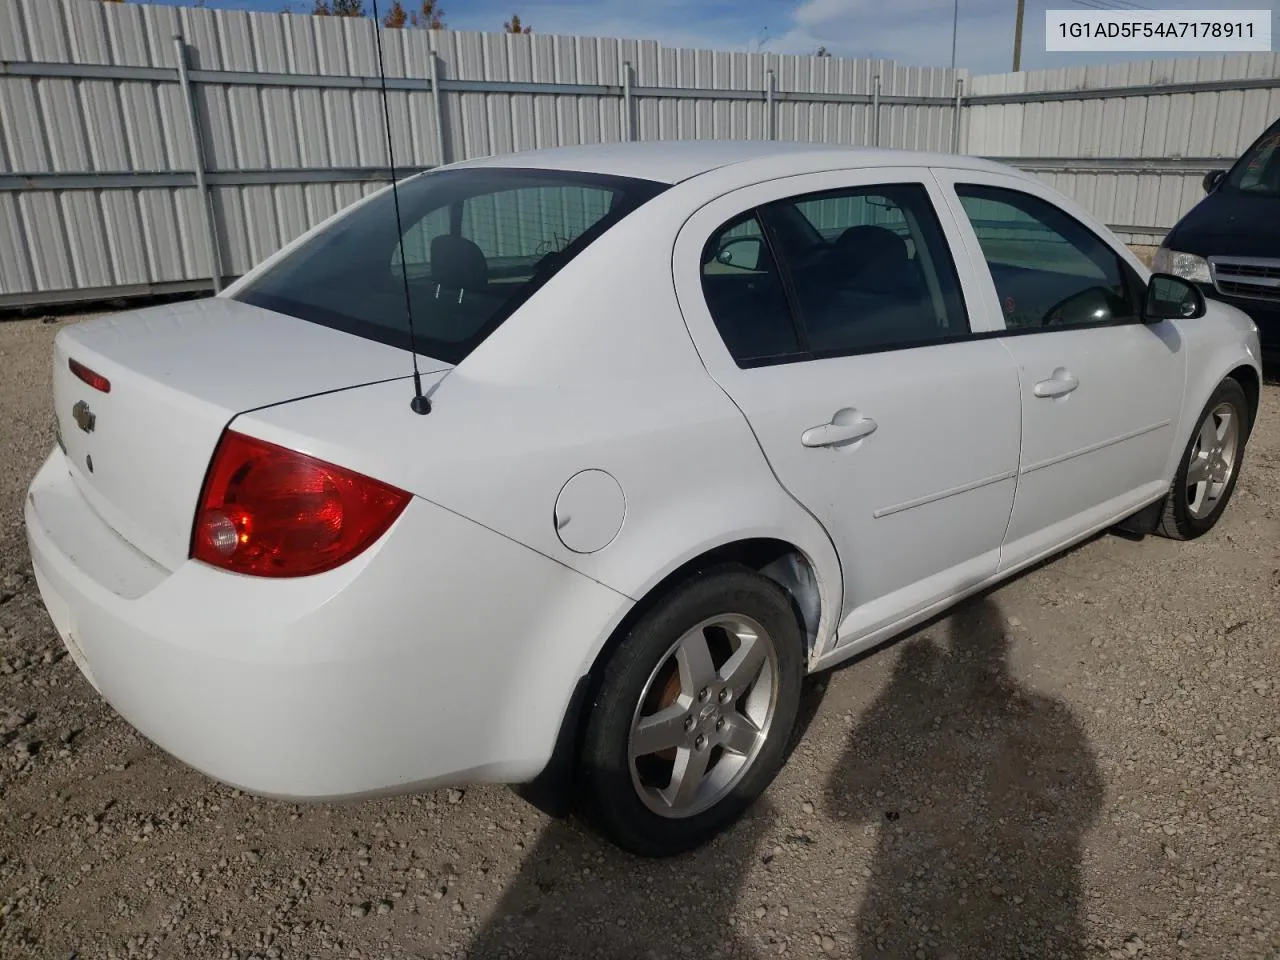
609 797
1177 522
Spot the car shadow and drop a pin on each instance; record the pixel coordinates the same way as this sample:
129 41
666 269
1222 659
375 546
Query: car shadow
980 791
576 895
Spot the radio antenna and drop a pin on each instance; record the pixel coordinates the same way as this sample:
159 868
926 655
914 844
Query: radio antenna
420 403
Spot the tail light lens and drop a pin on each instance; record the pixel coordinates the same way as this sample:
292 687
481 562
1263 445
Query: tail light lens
91 377
273 512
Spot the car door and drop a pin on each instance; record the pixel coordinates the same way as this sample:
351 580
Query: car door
1101 390
829 307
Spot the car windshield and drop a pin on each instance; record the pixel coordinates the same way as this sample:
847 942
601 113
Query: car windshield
1258 172
476 244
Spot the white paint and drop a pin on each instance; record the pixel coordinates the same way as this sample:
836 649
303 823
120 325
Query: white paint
589 511
179 373
454 643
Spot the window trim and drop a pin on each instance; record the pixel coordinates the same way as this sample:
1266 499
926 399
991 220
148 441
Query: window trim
1129 277
802 342
788 284
806 353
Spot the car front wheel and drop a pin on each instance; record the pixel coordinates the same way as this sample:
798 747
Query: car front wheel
1210 465
692 717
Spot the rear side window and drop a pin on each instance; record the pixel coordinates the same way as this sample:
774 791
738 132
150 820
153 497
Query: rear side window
476 244
879 277
830 274
745 294
1050 271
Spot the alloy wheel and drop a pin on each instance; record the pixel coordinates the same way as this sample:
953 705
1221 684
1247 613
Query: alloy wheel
1213 460
706 711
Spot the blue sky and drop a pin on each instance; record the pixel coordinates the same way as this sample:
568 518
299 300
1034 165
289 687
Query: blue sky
909 31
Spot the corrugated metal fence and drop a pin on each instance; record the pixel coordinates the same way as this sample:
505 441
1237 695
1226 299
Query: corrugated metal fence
1129 141
152 149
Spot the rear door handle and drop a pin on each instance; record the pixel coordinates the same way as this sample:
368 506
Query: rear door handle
830 434
1058 385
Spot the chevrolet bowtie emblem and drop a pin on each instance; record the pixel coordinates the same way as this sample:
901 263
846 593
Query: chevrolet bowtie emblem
83 416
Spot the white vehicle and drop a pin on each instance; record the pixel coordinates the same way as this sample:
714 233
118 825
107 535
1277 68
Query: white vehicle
700 418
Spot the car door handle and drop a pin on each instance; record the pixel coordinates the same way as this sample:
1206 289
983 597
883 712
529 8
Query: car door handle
830 434
1058 385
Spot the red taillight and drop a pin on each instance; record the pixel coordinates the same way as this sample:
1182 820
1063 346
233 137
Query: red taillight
273 512
95 380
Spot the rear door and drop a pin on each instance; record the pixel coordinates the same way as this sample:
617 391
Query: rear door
829 307
1101 391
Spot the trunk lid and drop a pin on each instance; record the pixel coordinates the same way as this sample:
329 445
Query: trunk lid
178 375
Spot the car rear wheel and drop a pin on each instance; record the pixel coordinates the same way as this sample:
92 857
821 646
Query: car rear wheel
1207 475
693 713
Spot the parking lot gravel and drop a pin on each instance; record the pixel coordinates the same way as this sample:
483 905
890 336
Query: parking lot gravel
1082 763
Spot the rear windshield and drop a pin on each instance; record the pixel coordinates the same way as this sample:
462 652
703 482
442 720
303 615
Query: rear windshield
1258 171
476 244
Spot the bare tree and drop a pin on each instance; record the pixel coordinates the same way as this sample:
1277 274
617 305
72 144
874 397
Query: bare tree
396 17
515 26
429 17
338 8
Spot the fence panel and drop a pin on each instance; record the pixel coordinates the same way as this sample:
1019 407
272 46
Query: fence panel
1129 141
132 162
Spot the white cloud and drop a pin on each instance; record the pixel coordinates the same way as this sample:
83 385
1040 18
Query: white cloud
816 12
914 32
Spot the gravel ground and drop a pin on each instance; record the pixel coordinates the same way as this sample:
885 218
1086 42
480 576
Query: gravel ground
1082 763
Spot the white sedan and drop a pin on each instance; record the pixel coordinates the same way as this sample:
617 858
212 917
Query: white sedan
689 421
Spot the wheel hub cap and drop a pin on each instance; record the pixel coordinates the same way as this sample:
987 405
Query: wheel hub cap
704 715
1212 462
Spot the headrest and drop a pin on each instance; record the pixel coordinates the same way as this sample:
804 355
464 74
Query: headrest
458 264
871 258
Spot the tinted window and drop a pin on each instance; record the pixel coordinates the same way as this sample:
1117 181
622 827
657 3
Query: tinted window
1049 270
870 268
745 294
476 244
1258 172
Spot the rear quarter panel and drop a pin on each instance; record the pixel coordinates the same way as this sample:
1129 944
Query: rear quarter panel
595 372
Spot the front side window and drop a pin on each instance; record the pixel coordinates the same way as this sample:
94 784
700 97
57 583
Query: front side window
1050 271
476 244
870 269
1258 172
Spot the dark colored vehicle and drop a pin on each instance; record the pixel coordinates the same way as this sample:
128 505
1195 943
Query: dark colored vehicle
1230 242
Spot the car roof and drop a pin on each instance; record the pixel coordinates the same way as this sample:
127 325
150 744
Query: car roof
672 161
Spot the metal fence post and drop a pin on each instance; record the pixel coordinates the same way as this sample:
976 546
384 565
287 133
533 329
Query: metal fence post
437 104
769 124
628 129
955 126
875 112
197 146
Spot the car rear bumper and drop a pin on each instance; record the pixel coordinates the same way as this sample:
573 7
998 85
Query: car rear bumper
443 654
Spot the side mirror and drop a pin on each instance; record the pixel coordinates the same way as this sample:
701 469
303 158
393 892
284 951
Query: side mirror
740 252
1172 298
1212 179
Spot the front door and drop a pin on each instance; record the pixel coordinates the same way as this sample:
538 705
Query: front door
830 309
1101 391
